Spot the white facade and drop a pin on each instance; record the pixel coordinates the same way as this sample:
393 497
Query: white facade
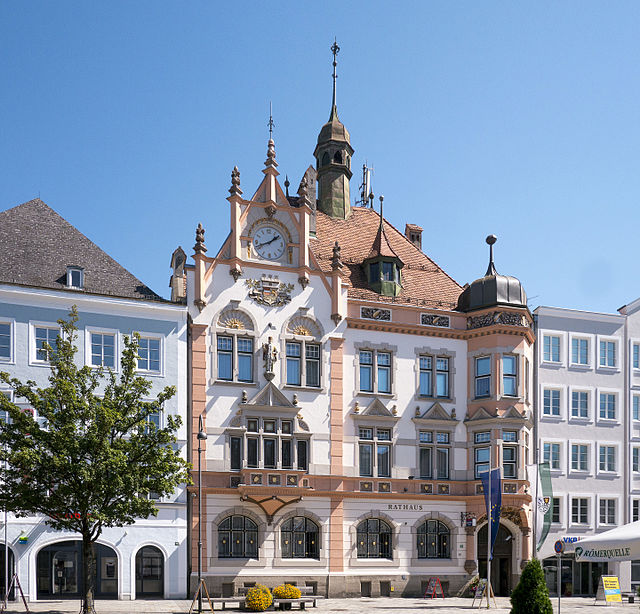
27 309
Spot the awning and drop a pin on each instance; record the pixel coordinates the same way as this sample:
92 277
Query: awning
619 544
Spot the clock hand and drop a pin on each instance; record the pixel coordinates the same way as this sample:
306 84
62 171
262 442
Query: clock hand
270 241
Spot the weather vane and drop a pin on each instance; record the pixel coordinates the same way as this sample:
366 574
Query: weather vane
335 50
271 123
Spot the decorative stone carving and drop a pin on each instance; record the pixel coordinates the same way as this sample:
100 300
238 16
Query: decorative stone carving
269 291
269 356
373 313
303 281
430 319
235 272
497 317
302 424
336 260
199 247
235 319
470 566
303 325
235 182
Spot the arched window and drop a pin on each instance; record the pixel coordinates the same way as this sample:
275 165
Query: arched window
433 540
237 538
299 538
337 157
374 539
325 159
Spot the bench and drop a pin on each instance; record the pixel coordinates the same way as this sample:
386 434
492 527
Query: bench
279 604
225 600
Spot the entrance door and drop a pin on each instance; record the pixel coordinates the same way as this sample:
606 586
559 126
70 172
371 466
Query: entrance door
3 588
64 570
149 572
501 562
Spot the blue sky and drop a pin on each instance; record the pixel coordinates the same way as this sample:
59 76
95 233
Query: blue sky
519 119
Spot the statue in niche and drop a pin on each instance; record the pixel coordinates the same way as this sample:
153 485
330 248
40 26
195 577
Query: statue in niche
270 356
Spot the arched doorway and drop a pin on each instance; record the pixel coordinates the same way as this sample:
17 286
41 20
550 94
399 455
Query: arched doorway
149 572
3 588
501 562
59 571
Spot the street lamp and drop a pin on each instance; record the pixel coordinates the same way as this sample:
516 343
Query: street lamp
202 436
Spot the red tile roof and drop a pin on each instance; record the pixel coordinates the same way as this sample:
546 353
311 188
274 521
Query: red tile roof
423 281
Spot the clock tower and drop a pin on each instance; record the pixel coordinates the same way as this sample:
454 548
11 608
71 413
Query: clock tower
333 160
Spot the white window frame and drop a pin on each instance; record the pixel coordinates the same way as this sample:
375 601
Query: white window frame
161 339
562 443
635 466
12 342
562 511
434 446
116 346
635 396
561 403
634 343
589 499
516 376
488 376
8 392
579 365
607 498
617 458
617 358
374 442
617 396
70 270
636 517
375 349
561 347
570 468
590 392
33 351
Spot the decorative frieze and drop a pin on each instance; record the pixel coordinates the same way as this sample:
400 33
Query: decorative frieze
374 313
497 317
431 319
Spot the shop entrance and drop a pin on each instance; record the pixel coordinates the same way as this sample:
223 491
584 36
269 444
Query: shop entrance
575 578
59 571
3 588
149 572
501 563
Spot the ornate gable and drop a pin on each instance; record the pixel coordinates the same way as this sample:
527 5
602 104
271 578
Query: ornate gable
436 413
376 410
270 398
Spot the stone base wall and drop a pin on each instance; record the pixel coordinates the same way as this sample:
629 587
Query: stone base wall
336 586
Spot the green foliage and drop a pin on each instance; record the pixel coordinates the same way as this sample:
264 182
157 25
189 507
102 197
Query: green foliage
91 459
531 596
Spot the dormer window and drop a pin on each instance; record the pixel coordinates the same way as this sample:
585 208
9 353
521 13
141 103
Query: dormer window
75 277
384 277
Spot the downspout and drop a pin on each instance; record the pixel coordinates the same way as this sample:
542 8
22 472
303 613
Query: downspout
189 453
536 443
626 422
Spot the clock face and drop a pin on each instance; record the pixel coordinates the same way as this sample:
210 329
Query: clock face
268 242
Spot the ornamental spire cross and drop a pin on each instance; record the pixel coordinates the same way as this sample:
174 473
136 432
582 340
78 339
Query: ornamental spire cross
335 50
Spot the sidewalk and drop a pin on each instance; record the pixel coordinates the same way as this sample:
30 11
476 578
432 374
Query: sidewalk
570 605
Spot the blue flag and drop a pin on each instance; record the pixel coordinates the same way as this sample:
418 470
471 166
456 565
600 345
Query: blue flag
495 505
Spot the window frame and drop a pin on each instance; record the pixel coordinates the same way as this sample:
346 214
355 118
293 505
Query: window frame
580 391
586 457
551 390
235 335
374 366
611 505
161 343
556 500
71 269
302 359
635 459
586 509
485 376
552 443
616 406
434 446
11 360
390 544
434 373
577 340
543 349
510 376
605 445
34 361
117 347
244 531
374 443
616 353
307 533
443 551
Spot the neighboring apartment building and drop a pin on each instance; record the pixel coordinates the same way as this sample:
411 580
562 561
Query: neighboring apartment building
46 267
352 393
588 430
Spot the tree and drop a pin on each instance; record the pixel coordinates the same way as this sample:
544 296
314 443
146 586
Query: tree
531 596
93 456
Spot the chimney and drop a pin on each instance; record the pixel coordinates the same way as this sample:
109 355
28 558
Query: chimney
414 234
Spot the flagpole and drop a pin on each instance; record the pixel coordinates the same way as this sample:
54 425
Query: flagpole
488 589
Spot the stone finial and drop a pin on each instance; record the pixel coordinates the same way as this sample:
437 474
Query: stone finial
200 247
271 154
303 192
235 182
287 183
336 260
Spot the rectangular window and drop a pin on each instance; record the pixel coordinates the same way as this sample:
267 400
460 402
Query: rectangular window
148 354
579 404
5 341
551 402
510 461
426 463
384 460
384 372
551 348
555 510
579 457
607 406
303 455
4 414
366 460
483 377
579 511
636 355
235 445
442 463
286 456
635 459
607 458
245 359
439 455
103 350
312 364
607 511
426 388
252 452
580 351
551 455
510 436
270 453
366 370
482 437
635 510
482 461
607 353
509 376
442 377
378 446
636 407
294 355
44 336
225 358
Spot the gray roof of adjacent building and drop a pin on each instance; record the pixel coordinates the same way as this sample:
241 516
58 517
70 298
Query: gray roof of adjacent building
38 245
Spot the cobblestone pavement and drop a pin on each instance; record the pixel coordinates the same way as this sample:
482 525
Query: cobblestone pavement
570 605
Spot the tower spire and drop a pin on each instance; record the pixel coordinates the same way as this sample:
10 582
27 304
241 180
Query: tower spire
491 269
271 124
335 50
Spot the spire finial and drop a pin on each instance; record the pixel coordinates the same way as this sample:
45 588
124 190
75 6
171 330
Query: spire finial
335 50
199 247
271 123
491 269
381 216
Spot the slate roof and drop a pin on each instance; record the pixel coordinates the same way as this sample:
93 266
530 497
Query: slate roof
423 281
37 245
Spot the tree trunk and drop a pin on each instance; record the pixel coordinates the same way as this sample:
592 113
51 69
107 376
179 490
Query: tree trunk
89 573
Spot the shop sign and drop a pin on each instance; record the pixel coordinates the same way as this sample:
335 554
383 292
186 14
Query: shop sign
413 507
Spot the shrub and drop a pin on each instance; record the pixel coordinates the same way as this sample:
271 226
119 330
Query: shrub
258 598
531 596
287 591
